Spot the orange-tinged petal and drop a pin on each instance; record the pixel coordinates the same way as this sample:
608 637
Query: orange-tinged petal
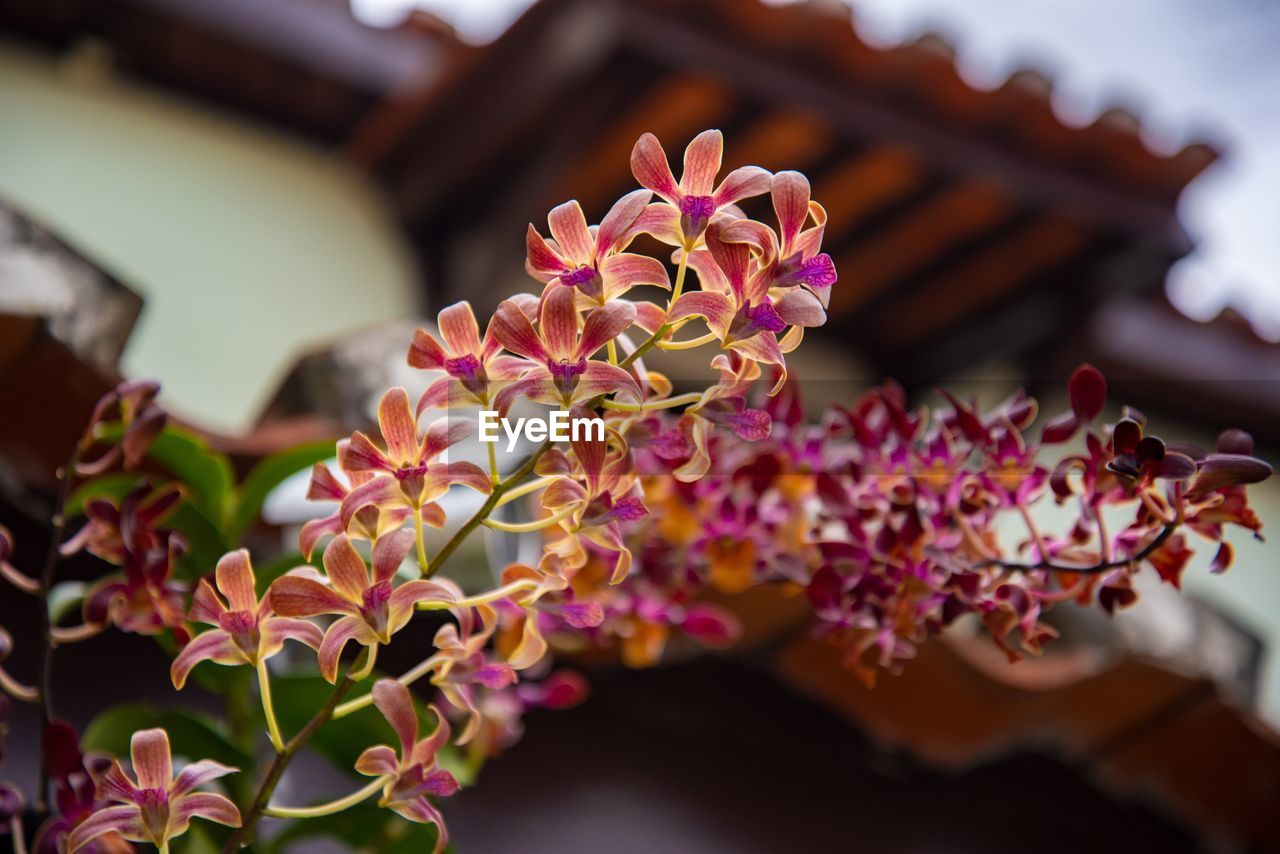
514 331
337 636
459 328
604 324
615 229
235 579
124 820
441 435
295 596
791 203
425 352
702 163
214 645
396 704
742 183
569 228
650 167
399 429
345 568
558 320
643 647
542 262
625 271
731 564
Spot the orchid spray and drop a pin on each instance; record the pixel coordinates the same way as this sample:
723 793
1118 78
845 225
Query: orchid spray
884 515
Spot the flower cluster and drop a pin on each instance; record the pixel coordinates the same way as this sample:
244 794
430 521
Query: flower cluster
886 516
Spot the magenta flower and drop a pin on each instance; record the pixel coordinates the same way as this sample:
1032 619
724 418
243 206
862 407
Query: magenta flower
473 365
247 631
159 806
597 494
594 263
412 774
564 374
370 610
691 203
736 303
407 474
798 261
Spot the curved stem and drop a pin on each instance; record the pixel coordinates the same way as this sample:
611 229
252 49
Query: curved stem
19 579
278 765
332 806
75 634
407 678
481 598
528 527
59 523
665 403
16 689
1093 569
364 667
525 488
268 708
666 327
613 352
691 344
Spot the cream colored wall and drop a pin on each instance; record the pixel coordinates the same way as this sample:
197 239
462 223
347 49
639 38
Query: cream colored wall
248 244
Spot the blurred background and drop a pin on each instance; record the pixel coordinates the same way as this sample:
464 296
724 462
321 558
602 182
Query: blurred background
254 200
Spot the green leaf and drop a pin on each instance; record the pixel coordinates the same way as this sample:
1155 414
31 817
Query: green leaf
65 597
266 476
206 472
205 544
340 741
191 735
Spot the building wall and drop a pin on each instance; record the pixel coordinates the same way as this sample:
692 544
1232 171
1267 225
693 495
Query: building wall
247 244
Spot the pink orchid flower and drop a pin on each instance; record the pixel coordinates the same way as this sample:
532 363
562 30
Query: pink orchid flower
592 260
371 609
565 373
599 490
367 523
407 474
798 260
461 663
247 631
159 806
547 595
474 366
411 773
691 203
736 303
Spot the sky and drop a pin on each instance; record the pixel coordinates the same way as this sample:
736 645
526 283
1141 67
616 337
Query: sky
1192 70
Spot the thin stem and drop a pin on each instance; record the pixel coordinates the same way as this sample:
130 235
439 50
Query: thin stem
691 344
1104 540
331 807
666 327
268 708
528 527
365 666
17 690
75 634
1096 568
524 489
420 541
613 352
481 598
278 765
493 462
413 674
17 833
59 523
665 403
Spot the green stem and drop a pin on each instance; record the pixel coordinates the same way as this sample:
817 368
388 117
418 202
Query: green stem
268 709
330 808
493 462
528 527
420 541
667 403
666 327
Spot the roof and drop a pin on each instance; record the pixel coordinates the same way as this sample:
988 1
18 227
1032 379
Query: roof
960 217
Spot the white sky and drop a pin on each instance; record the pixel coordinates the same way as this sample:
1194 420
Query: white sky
1191 69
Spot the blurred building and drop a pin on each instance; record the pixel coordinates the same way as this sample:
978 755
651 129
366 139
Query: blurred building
271 174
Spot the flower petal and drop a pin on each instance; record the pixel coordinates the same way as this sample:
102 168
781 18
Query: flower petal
421 811
741 184
123 820
206 805
343 630
115 785
196 774
383 492
345 568
235 580
558 320
294 596
396 704
623 272
277 630
206 607
604 324
790 192
542 262
399 429
661 221
601 378
569 228
425 352
649 165
404 597
800 308
702 163
152 759
213 645
360 454
514 331
315 529
616 225
713 307
324 485
378 761
459 328
389 552
441 435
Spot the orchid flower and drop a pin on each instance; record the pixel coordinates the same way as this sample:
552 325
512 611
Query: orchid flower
691 203
797 259
407 474
735 300
75 778
247 631
592 260
371 609
460 662
158 806
722 404
367 523
132 406
597 495
538 599
473 365
565 374
411 773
